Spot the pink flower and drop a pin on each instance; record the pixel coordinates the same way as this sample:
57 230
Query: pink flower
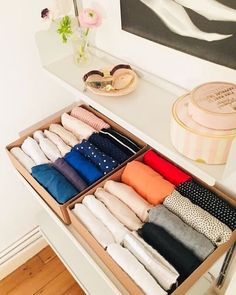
89 18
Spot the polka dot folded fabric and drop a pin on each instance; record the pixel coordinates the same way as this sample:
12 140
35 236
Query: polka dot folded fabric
98 158
209 201
108 147
199 219
89 118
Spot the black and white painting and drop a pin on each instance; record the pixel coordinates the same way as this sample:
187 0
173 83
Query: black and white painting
203 28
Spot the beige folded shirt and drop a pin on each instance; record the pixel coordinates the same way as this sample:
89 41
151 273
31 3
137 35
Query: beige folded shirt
119 209
65 135
129 196
80 129
61 145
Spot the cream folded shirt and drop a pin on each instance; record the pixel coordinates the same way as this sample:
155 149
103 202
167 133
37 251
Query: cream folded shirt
24 159
197 218
64 134
61 145
128 262
32 149
49 148
164 276
80 129
98 230
104 215
119 209
129 196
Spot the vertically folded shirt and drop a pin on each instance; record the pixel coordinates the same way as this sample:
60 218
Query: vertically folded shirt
129 196
184 261
164 276
104 215
108 147
54 182
148 183
209 201
32 149
48 147
200 245
98 230
89 118
97 157
64 168
128 262
64 134
121 141
87 170
199 219
61 145
119 209
80 129
24 159
168 170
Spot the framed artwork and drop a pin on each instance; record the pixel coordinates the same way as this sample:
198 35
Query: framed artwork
202 28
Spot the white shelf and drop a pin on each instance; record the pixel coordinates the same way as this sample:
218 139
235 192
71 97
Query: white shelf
145 112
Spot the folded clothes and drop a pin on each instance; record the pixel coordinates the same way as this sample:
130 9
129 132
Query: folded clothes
54 182
93 225
164 276
129 196
209 201
121 141
134 269
64 134
199 219
148 183
24 159
89 118
108 147
97 157
168 170
193 240
119 209
87 170
175 252
48 147
104 215
61 145
80 129
32 149
64 168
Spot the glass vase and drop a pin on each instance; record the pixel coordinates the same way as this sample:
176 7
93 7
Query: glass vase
81 46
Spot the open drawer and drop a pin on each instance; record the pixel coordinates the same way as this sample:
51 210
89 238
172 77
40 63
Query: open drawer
60 209
122 276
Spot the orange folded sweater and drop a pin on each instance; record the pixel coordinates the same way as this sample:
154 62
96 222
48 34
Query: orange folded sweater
148 183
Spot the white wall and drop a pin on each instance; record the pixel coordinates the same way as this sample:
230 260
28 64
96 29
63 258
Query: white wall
27 96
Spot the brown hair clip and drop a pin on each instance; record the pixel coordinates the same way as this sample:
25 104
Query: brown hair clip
100 73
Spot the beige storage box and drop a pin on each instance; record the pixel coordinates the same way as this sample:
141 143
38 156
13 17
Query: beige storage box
60 209
124 278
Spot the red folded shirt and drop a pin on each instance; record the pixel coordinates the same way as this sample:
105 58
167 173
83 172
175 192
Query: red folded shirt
169 171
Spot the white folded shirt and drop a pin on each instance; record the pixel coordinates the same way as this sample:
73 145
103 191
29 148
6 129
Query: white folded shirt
24 159
56 139
49 148
32 149
135 269
65 135
104 215
165 277
93 225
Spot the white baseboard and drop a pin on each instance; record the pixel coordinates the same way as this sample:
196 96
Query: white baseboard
19 252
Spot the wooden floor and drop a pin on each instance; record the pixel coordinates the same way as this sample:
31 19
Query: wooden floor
42 274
